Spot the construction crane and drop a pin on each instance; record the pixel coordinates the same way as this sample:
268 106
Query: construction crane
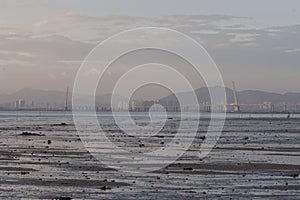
236 102
66 99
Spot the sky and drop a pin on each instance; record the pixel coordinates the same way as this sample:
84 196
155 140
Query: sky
255 43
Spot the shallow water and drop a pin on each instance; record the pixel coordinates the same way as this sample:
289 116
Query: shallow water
257 156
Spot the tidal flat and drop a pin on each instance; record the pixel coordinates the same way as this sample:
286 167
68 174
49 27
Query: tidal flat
43 157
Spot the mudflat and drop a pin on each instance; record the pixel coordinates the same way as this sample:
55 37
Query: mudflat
42 157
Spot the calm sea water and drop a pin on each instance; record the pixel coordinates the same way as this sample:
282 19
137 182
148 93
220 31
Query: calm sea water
27 115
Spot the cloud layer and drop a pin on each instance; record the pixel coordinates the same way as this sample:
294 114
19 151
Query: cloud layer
47 53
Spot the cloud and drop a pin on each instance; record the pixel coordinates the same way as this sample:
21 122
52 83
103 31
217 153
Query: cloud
54 48
28 3
61 75
33 3
292 51
52 76
44 51
205 32
243 37
37 61
57 24
15 63
82 27
92 72
90 28
198 19
17 53
70 62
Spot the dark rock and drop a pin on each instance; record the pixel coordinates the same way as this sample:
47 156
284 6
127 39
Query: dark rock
30 134
105 188
141 145
63 198
202 137
61 124
294 175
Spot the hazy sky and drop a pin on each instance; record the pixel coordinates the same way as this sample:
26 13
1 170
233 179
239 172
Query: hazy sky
256 43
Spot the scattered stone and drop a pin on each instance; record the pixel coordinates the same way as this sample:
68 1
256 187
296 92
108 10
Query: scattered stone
202 137
141 145
30 134
294 175
63 198
105 188
61 124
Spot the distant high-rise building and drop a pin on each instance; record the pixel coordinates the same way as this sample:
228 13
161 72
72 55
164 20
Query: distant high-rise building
123 106
19 103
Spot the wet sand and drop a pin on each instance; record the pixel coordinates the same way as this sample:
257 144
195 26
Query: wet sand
257 158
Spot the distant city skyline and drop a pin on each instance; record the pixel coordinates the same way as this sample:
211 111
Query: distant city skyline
248 100
256 43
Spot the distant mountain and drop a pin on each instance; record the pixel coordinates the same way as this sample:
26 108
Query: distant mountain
245 97
52 98
40 97
56 99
